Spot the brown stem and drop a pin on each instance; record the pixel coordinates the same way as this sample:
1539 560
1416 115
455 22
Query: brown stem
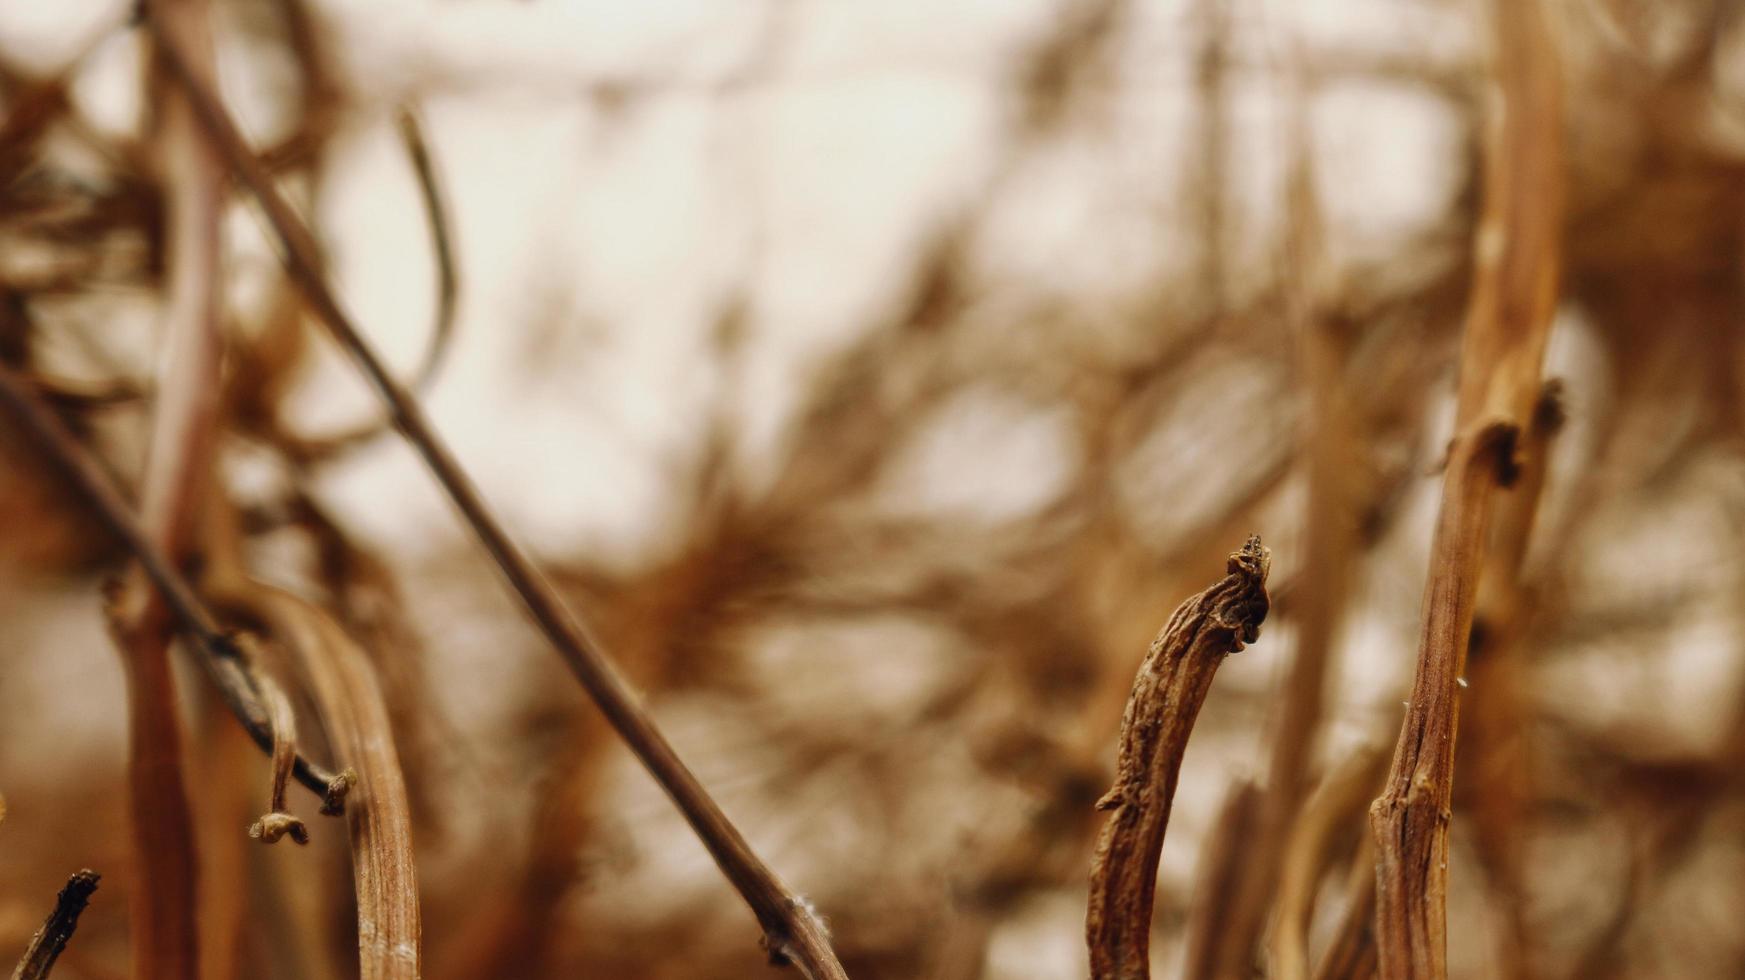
1351 955
1499 785
350 704
164 889
1220 877
277 821
1333 807
1167 694
216 652
792 931
46 946
348 700
1514 296
447 290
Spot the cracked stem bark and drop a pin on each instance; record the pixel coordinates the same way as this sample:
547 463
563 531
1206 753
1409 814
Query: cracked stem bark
1514 297
1167 694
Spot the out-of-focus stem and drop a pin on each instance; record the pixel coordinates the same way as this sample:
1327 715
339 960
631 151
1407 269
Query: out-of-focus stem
165 880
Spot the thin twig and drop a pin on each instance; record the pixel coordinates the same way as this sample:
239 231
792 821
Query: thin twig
278 820
46 946
214 649
447 291
1514 295
792 931
1167 694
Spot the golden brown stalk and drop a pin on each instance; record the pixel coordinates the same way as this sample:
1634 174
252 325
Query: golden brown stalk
1333 807
1499 773
165 883
1514 296
46 946
350 704
1351 955
1167 694
342 683
793 932
1220 876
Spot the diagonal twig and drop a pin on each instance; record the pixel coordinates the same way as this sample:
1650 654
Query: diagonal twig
45 947
1172 684
214 649
792 931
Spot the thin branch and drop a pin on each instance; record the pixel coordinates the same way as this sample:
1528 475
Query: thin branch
447 290
792 931
1172 684
46 946
1517 253
1333 453
277 821
215 650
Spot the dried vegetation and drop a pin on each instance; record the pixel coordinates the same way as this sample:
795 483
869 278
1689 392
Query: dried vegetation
855 688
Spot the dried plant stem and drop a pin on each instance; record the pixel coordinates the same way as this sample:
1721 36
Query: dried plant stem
164 886
1333 808
1220 876
1496 729
277 821
792 931
352 710
447 291
1351 955
46 946
1514 296
342 682
1172 684
216 652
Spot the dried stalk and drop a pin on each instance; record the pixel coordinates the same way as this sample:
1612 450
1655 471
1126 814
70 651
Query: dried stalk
164 889
1222 861
1332 808
1496 729
447 291
277 821
216 652
1514 296
792 930
46 946
342 682
1351 955
1167 694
